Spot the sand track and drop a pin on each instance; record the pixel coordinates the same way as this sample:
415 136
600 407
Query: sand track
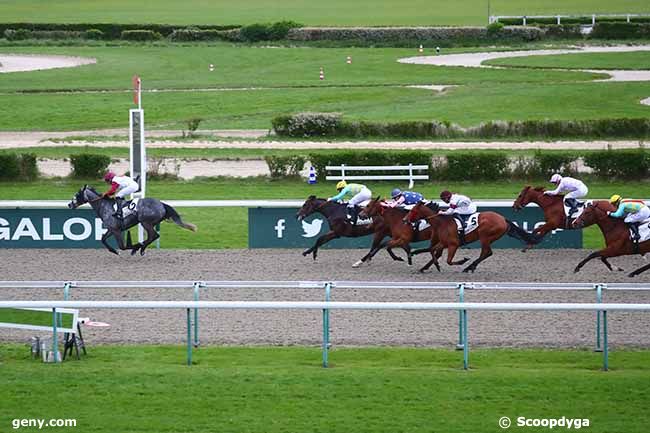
348 328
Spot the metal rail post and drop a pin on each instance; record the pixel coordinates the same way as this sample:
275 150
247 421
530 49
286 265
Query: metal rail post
326 326
66 290
599 299
605 346
466 341
197 286
461 299
55 337
189 337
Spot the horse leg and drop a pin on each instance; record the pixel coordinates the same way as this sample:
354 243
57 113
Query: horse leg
321 241
486 251
639 271
589 257
609 266
105 236
152 235
435 255
393 255
409 256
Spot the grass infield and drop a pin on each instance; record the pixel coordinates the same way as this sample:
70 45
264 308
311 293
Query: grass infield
264 389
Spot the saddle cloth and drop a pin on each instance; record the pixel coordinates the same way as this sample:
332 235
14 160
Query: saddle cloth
579 210
423 225
471 223
128 208
644 231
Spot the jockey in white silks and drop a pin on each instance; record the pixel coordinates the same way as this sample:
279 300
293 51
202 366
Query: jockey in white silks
458 205
573 189
121 186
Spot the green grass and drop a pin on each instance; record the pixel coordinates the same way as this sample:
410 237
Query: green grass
629 61
28 317
211 221
334 12
148 388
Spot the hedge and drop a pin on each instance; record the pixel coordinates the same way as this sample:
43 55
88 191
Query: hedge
333 125
110 30
620 31
196 34
285 166
88 165
18 166
140 35
409 36
621 164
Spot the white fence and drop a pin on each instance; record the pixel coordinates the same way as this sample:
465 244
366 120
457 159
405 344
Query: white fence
410 176
463 307
524 18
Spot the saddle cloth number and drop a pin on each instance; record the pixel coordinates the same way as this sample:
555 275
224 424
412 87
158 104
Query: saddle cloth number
471 223
129 208
577 213
644 231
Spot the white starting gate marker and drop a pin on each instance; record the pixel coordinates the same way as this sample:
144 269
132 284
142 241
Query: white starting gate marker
138 157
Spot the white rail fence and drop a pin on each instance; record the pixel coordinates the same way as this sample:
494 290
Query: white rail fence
558 18
410 168
462 306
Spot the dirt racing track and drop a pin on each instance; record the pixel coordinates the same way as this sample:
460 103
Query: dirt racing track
360 328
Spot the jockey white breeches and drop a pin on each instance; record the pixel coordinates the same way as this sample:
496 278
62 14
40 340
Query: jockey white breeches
466 210
578 193
362 196
642 215
127 191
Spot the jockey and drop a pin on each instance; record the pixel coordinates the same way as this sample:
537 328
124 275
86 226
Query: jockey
121 186
359 193
573 188
634 211
404 198
459 205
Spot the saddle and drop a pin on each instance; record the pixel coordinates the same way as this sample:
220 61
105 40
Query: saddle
469 221
128 207
352 214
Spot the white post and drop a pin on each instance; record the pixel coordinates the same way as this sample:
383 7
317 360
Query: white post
593 20
524 20
342 171
558 20
628 18
411 181
138 156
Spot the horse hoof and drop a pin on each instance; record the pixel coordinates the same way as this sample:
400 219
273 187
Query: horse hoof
576 270
142 253
620 269
357 264
134 251
304 253
631 275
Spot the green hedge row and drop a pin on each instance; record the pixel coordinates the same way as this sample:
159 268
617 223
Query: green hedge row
110 31
410 36
621 31
18 166
88 165
472 165
333 125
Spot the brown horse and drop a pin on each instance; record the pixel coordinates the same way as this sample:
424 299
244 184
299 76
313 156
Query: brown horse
616 233
401 232
552 205
491 227
340 226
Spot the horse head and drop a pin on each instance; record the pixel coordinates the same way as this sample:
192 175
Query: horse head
311 205
421 210
594 212
373 208
79 198
524 197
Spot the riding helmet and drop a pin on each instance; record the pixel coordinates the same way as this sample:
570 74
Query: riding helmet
615 199
342 184
396 193
108 177
556 178
445 195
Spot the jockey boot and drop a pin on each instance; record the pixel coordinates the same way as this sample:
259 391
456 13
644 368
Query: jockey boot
573 206
119 203
461 232
353 211
635 230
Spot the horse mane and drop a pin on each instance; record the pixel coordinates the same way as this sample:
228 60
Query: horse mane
539 189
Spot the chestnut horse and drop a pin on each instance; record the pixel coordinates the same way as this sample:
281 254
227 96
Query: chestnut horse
552 205
616 233
402 233
491 227
336 215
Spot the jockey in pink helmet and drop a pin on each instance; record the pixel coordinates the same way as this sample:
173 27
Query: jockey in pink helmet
573 189
121 186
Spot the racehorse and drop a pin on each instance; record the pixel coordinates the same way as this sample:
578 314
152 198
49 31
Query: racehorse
148 212
552 205
402 233
616 233
340 226
444 234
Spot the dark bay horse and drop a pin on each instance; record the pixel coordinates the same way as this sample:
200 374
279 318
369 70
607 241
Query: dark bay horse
444 235
148 212
616 233
340 226
401 232
552 206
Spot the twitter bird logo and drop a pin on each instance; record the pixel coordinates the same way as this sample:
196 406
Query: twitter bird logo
311 229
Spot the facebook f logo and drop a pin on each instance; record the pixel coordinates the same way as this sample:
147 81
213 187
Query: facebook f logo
279 227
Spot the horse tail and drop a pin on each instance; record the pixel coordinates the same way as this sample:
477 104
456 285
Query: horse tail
518 233
170 213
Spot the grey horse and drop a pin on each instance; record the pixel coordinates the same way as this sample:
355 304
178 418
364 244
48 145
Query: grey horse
148 212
